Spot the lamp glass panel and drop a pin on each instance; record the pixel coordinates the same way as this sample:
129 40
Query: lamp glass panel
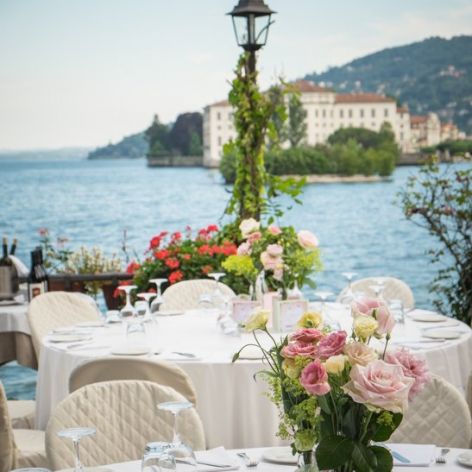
240 24
261 29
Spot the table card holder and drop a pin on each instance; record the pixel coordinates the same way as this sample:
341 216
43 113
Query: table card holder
286 313
242 309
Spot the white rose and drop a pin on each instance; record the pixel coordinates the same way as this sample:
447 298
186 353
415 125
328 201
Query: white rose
249 226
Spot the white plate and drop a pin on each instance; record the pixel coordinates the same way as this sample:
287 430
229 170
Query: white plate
68 338
465 459
442 333
280 455
168 313
130 350
17 300
428 316
64 330
90 324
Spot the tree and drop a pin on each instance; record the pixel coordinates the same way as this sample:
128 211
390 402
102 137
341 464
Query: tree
279 117
157 136
296 120
187 127
439 199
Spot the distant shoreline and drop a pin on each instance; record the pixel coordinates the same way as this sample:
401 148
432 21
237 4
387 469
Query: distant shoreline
336 179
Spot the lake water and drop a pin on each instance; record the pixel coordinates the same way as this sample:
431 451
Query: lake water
359 226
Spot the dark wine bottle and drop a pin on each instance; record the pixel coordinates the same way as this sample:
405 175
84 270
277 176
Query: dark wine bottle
8 274
38 281
13 247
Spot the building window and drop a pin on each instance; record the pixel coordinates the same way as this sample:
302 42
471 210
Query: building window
218 116
230 116
372 113
350 114
361 113
331 114
386 112
361 125
323 113
219 140
341 113
373 125
316 113
401 136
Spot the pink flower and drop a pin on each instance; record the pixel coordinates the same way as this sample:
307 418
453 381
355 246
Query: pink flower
377 310
299 349
307 239
269 262
365 306
274 230
379 385
274 250
359 353
332 344
385 319
314 379
307 335
412 367
244 249
253 237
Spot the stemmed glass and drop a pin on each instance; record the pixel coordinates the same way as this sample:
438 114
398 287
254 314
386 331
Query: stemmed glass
76 434
323 295
348 295
157 302
377 287
147 297
178 449
128 309
157 458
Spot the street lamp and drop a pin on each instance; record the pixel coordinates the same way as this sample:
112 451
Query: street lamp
251 22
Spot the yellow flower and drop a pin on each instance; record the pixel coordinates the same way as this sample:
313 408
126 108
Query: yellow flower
335 364
310 319
364 326
290 368
258 320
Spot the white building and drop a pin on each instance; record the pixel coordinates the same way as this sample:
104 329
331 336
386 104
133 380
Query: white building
327 111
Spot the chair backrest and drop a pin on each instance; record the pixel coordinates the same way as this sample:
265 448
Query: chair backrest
132 368
7 442
55 309
126 417
393 289
438 415
186 295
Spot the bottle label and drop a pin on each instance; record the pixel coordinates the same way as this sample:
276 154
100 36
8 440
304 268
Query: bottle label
36 289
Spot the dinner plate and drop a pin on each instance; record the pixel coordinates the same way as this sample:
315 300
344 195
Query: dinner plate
442 333
428 316
168 313
130 350
64 330
280 455
465 459
90 324
68 338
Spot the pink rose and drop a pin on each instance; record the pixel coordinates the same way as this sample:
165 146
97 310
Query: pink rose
253 237
244 249
365 306
385 319
332 344
359 353
412 367
274 230
274 250
307 239
299 349
314 379
269 262
377 310
379 385
307 335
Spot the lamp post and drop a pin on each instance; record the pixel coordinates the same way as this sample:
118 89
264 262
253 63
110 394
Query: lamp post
251 22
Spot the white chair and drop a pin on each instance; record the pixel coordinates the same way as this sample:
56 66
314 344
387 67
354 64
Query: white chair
22 413
55 309
186 295
393 289
132 368
126 417
19 447
438 415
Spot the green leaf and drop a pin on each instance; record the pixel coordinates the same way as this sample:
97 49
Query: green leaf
383 430
324 405
235 356
333 451
364 459
384 458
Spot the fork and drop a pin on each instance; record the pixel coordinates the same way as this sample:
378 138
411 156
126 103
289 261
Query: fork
442 458
247 460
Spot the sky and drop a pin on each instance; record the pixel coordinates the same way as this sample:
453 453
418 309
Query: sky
88 72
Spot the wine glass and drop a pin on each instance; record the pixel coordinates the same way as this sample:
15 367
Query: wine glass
157 458
147 296
348 295
323 295
76 434
179 449
128 309
378 286
157 302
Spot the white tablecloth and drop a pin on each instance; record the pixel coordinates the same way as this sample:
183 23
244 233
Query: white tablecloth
13 319
234 411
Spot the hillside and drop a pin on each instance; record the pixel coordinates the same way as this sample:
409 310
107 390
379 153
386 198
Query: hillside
431 75
131 147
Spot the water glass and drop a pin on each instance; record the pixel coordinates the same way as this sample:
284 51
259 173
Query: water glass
76 434
156 458
398 311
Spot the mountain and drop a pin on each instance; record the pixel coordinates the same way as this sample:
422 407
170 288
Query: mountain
434 75
46 154
132 147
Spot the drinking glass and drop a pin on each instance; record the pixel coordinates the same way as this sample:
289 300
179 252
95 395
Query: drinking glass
147 296
181 451
76 434
323 295
219 300
128 309
397 309
156 458
157 302
348 295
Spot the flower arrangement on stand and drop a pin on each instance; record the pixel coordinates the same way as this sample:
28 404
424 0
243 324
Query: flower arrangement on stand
339 398
285 257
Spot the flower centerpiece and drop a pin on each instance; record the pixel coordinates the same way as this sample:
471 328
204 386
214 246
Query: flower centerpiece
285 257
339 399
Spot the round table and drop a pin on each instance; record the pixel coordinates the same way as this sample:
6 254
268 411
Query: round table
233 408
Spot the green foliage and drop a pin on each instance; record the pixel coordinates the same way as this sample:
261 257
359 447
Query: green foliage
297 126
459 147
418 74
185 137
439 199
131 147
157 136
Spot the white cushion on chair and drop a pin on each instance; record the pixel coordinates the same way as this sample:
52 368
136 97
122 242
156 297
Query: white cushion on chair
438 415
30 444
22 413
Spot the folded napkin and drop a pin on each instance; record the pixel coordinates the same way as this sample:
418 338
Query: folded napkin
218 456
418 455
183 356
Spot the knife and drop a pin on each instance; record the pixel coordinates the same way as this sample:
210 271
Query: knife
399 457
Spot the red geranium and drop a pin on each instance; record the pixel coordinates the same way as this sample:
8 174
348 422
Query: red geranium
212 228
162 254
176 276
207 269
172 263
155 242
187 257
204 249
133 266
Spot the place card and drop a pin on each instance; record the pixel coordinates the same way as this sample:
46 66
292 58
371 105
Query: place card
243 309
286 313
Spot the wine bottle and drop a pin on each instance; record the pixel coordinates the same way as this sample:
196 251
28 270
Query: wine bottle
37 278
8 274
13 247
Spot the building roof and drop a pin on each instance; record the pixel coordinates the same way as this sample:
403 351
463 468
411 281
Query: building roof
362 98
402 110
306 86
221 103
418 119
